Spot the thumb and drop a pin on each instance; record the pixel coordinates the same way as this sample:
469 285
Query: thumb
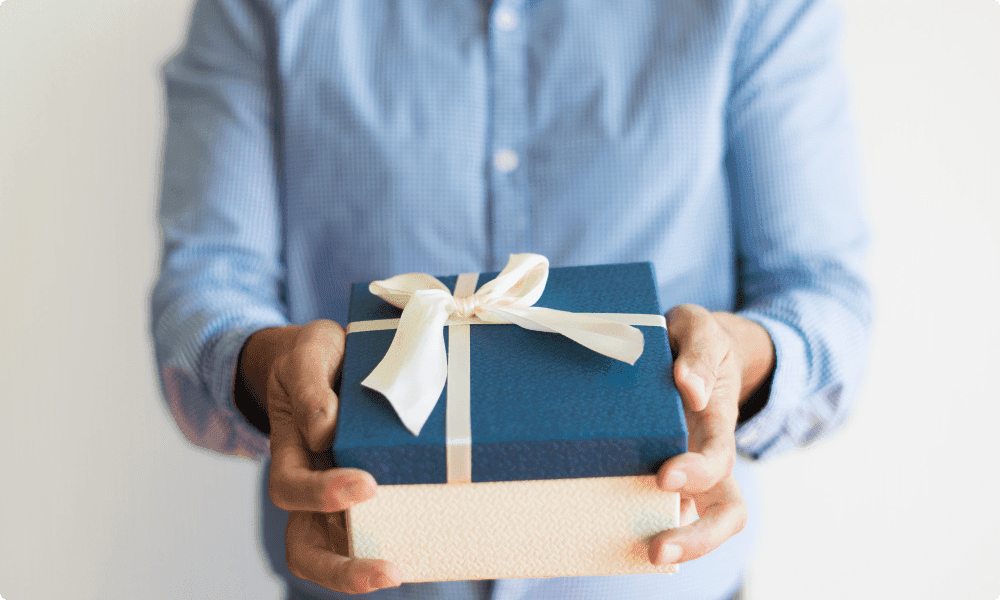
701 345
316 415
310 373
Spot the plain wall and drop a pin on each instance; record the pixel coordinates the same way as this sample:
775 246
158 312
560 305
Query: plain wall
101 496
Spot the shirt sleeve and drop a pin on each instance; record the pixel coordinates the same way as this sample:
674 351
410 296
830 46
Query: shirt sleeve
800 230
221 276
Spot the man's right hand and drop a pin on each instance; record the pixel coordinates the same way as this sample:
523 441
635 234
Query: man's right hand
290 370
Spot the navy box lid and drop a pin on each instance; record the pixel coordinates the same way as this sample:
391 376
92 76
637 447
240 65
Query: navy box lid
543 407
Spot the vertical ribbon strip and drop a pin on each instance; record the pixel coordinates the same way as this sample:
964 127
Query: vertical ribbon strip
458 411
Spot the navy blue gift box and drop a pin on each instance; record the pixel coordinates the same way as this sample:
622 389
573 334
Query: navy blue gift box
543 406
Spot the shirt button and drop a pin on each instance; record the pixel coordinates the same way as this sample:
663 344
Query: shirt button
506 20
505 160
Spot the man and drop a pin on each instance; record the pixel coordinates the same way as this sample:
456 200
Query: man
315 143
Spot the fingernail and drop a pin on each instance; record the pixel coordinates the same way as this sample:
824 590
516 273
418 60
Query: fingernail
676 479
670 554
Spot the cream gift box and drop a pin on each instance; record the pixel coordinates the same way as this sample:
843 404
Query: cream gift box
551 470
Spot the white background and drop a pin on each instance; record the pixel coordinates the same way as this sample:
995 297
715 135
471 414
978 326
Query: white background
101 497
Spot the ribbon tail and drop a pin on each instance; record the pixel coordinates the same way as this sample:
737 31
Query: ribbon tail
616 340
413 372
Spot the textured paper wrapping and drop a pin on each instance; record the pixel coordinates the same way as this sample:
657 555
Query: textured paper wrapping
515 529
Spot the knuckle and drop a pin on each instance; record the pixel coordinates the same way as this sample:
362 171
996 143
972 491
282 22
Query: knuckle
323 325
310 409
333 330
296 362
312 399
680 320
319 336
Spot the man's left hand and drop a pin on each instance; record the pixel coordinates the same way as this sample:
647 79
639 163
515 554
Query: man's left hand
721 360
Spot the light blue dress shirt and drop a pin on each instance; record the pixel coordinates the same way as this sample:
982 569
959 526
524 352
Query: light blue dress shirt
315 143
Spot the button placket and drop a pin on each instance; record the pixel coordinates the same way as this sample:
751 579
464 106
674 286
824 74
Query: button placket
508 182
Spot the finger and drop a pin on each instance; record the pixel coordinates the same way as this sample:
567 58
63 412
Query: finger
701 345
724 516
299 488
711 455
294 485
309 558
316 414
307 374
695 473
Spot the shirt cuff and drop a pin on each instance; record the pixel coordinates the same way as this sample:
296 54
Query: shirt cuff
766 433
220 369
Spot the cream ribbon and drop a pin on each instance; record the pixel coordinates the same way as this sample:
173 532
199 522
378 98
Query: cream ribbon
414 370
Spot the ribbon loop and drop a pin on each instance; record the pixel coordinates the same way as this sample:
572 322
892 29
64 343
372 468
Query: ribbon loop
414 370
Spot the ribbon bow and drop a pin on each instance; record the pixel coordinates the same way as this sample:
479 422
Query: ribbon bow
414 370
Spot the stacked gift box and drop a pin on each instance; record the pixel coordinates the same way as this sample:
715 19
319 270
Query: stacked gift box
565 443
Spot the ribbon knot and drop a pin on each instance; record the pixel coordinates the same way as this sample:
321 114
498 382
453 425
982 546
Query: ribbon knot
413 372
467 306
